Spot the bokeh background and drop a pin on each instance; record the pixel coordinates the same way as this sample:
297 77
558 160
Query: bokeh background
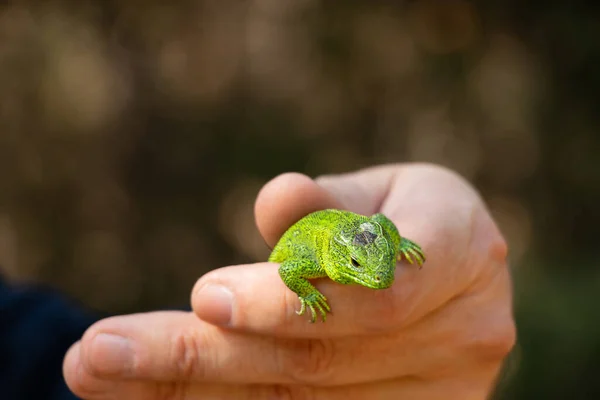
134 137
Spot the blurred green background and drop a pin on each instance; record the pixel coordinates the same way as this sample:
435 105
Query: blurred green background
134 137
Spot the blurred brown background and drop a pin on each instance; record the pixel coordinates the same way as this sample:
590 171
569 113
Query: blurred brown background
134 137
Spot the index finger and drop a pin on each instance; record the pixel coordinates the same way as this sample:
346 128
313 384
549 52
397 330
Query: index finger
430 205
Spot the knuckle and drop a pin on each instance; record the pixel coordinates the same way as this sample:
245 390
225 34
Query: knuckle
497 343
486 227
307 361
496 323
499 247
185 355
503 343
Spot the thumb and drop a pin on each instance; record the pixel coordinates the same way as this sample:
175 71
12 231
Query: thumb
286 199
290 196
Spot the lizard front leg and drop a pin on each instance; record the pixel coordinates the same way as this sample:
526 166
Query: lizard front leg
407 248
295 274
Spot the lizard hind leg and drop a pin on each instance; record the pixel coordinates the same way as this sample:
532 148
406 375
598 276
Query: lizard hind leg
295 274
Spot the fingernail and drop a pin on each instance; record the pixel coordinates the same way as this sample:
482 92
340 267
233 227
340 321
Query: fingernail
111 354
214 304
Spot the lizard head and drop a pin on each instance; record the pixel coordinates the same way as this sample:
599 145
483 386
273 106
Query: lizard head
364 255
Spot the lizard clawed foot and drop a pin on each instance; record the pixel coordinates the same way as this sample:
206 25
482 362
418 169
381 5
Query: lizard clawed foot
314 301
410 250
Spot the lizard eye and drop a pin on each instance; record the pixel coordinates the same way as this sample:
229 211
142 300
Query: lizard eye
355 263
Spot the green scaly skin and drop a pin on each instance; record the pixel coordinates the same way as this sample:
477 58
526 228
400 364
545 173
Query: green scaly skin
348 248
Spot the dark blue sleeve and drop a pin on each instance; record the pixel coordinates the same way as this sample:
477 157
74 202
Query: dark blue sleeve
37 326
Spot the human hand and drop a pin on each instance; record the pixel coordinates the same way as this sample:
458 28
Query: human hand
440 332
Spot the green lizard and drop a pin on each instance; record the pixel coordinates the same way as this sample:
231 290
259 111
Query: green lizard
348 248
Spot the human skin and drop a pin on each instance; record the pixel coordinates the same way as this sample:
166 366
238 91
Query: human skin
440 332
